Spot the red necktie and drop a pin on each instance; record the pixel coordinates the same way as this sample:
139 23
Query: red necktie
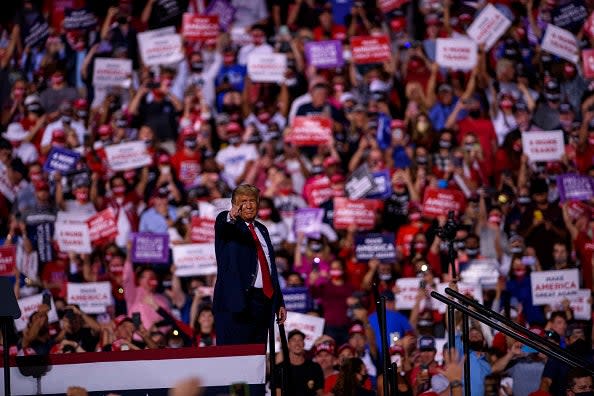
266 280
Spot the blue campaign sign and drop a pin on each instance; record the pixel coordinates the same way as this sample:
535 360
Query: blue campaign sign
61 160
383 185
297 299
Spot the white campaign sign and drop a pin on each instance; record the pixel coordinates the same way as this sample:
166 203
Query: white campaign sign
456 53
311 326
560 42
473 290
160 49
92 297
581 304
109 72
72 232
408 291
195 259
29 305
551 287
488 26
267 67
543 146
129 155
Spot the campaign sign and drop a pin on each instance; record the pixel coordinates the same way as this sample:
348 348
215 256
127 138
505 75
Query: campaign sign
195 259
61 160
320 191
308 221
551 287
103 226
456 53
383 185
324 54
129 155
375 246
297 299
359 183
581 304
200 27
472 290
488 26
589 26
72 233
224 10
110 72
588 62
202 229
543 146
30 304
311 326
357 212
480 271
438 202
79 19
370 49
310 131
390 5
7 260
91 298
160 49
150 248
35 32
408 289
267 67
575 187
560 42
570 15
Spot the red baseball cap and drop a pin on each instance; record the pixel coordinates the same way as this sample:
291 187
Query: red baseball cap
164 159
80 104
105 130
357 328
234 128
41 184
188 132
58 135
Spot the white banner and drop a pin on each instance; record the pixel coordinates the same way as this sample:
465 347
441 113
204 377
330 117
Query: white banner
481 271
129 155
560 42
311 326
160 49
474 291
488 26
267 67
581 304
408 291
550 287
72 233
29 305
110 72
195 259
543 146
456 53
92 297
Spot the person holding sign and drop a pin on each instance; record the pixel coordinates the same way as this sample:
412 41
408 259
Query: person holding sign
247 293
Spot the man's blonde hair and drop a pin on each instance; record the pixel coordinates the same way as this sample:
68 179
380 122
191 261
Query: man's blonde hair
246 189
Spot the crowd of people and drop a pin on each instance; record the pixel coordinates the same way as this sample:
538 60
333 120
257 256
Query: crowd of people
208 127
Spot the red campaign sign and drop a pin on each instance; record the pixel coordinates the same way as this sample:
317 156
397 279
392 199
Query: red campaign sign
103 226
588 62
7 260
589 25
389 5
200 27
310 131
202 230
438 202
370 49
318 192
358 212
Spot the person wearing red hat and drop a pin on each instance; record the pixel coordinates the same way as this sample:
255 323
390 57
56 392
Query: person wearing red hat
186 162
360 335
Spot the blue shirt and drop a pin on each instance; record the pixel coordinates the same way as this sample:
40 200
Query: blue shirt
396 323
154 222
479 369
439 113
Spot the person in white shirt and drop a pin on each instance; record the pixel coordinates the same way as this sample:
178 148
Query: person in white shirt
237 158
249 12
16 135
65 123
258 45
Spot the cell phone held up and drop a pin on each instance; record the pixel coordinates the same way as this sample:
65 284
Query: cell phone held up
47 299
136 319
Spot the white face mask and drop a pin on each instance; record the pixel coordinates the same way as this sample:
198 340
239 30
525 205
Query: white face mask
165 170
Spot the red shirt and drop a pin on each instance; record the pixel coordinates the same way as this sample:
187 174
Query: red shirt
54 272
485 133
186 166
584 247
338 32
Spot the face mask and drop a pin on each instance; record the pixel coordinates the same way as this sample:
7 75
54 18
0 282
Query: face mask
18 92
524 199
475 345
422 126
516 250
190 144
197 67
315 247
119 190
445 144
66 119
264 213
569 71
474 113
228 59
420 246
506 104
421 160
459 245
234 140
81 196
520 273
285 191
57 80
264 117
471 252
517 147
385 277
494 219
335 273
364 378
157 93
560 260
82 113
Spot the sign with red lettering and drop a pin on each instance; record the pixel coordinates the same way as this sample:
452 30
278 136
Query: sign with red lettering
472 290
266 67
551 287
160 49
390 5
488 26
589 25
202 230
129 155
200 27
370 49
91 298
72 233
310 131
103 226
195 259
312 327
560 42
588 62
408 290
109 72
318 191
357 212
456 53
438 202
581 304
543 146
31 304
7 260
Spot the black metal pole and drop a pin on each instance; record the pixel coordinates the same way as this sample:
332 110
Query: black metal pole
533 340
465 332
394 379
272 357
286 365
451 327
385 349
5 356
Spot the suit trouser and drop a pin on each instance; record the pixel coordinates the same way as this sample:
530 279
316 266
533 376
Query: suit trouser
249 326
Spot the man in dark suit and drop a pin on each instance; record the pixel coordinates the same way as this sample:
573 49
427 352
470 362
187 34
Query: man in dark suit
247 293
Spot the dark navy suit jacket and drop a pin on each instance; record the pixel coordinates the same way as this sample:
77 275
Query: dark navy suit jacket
237 265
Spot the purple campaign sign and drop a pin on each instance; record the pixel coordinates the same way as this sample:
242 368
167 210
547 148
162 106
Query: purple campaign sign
150 248
308 221
574 187
324 54
224 10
